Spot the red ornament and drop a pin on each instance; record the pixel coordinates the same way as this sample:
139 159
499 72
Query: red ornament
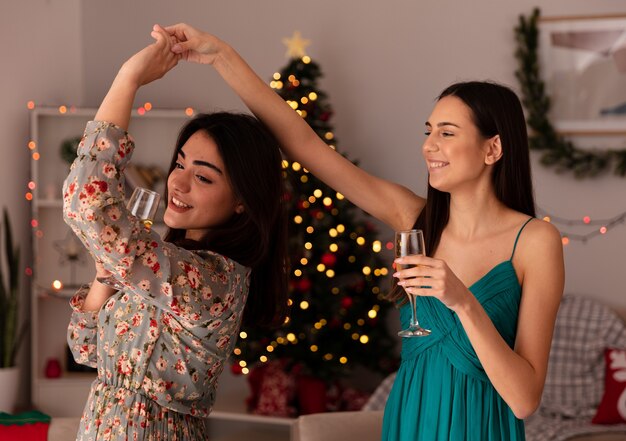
304 285
334 323
236 369
325 116
329 259
347 302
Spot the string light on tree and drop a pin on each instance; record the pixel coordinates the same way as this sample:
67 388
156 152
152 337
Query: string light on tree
336 257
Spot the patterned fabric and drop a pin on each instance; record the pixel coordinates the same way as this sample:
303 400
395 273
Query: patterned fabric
575 379
441 391
160 343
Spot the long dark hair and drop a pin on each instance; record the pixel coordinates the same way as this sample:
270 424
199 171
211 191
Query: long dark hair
495 110
257 237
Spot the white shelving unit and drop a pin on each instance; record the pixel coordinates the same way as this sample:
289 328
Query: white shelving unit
155 134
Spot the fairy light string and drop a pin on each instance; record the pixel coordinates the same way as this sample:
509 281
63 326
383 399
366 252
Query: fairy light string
600 226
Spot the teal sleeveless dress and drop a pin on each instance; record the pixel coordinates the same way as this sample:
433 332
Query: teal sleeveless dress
441 391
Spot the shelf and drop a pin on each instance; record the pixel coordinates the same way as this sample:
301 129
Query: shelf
65 293
155 134
69 379
49 203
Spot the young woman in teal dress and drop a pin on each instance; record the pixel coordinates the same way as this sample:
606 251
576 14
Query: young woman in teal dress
161 342
495 275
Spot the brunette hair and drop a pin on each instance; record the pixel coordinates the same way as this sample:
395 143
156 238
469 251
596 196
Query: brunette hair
257 237
495 110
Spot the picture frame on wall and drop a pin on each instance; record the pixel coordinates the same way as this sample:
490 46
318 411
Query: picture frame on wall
583 64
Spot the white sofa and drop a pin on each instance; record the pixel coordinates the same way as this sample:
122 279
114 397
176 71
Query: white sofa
367 425
338 426
63 429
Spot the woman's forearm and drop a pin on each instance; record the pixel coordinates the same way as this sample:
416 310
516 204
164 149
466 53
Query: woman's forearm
97 296
513 377
389 202
290 129
147 65
117 105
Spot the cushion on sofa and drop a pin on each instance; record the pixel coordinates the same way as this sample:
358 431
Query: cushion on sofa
612 408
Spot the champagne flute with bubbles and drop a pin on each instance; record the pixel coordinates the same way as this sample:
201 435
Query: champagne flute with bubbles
143 204
410 243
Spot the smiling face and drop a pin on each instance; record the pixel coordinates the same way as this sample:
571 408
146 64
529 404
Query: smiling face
200 196
454 150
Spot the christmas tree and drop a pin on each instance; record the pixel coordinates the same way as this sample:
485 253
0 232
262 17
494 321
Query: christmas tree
337 314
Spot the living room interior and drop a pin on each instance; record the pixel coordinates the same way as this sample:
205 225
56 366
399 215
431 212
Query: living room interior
383 65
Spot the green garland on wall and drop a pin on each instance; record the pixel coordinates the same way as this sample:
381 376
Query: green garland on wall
557 151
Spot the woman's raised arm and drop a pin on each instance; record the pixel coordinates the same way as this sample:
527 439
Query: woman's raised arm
393 204
147 65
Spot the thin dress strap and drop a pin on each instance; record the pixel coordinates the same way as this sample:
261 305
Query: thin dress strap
517 238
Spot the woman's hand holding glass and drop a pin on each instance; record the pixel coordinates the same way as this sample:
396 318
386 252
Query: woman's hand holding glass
410 243
427 276
143 204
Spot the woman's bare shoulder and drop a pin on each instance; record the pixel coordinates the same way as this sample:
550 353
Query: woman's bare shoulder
539 246
542 233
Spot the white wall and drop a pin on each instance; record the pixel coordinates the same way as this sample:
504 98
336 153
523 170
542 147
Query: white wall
42 61
384 63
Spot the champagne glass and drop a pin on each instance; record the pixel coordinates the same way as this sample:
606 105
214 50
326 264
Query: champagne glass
410 243
143 204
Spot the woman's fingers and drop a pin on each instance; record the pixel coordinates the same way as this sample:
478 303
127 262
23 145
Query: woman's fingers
181 31
416 259
410 273
421 291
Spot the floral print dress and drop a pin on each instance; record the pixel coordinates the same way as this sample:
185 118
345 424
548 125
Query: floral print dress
161 342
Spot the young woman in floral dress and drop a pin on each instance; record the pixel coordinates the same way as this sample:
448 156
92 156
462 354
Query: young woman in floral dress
161 342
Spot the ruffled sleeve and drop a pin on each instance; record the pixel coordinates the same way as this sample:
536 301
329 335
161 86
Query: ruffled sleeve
82 330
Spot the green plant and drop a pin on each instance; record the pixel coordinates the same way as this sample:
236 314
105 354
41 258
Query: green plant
69 147
11 334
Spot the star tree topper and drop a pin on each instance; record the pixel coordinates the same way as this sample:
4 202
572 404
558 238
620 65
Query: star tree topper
296 45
